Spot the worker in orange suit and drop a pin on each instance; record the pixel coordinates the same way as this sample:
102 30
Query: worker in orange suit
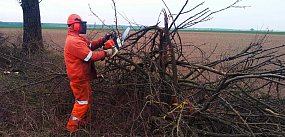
79 54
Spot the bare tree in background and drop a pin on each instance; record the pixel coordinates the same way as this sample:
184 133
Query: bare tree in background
32 38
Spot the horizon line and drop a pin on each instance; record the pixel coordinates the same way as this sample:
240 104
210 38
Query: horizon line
193 28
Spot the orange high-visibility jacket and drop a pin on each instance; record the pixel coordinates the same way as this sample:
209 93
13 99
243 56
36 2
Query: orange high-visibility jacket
78 56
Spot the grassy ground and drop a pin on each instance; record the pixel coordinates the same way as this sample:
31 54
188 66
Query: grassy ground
36 95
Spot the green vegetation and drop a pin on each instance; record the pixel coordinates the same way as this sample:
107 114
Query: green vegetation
59 28
11 27
55 28
245 32
214 31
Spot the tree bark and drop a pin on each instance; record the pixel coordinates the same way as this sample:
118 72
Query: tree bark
32 39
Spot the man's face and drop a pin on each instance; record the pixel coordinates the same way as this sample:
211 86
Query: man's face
83 27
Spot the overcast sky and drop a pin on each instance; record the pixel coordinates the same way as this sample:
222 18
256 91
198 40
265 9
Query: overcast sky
261 14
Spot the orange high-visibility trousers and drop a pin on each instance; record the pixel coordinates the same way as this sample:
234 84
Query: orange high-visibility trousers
82 93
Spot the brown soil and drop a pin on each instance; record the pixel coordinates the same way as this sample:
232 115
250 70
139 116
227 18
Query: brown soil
207 41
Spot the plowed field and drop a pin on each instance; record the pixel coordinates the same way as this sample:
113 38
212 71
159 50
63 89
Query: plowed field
212 43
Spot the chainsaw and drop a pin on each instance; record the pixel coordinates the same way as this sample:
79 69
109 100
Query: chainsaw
119 41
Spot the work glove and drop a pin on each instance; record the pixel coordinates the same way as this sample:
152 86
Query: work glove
109 44
111 34
106 37
111 52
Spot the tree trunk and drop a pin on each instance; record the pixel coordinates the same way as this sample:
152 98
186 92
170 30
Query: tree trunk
32 39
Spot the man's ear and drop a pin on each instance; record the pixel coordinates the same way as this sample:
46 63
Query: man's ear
76 26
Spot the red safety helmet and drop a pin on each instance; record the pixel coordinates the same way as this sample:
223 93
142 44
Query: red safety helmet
75 23
73 18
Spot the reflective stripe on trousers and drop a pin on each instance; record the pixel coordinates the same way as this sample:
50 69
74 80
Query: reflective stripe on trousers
85 102
82 94
74 118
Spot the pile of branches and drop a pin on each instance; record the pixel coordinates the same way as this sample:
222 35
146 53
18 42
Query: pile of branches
238 95
157 90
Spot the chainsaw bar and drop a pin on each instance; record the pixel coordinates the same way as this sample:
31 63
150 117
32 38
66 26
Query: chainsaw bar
120 40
